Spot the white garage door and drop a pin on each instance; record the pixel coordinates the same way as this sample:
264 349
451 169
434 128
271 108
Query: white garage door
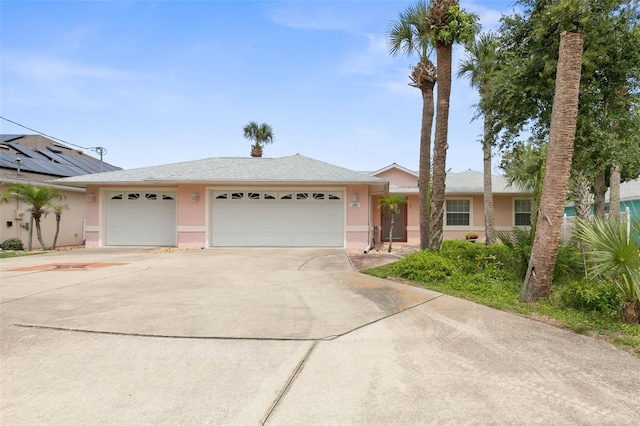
301 218
141 218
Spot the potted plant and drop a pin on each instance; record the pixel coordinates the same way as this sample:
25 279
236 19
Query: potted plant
471 236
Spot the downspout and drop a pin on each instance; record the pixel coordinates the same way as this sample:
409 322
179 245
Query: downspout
371 194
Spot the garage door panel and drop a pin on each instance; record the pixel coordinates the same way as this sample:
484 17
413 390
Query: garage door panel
292 219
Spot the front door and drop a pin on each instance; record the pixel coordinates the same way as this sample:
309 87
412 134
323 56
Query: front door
399 224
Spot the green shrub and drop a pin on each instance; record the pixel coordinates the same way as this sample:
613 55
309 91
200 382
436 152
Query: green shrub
12 244
569 264
520 242
424 267
589 296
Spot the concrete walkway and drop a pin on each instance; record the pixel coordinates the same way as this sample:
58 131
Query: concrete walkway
281 336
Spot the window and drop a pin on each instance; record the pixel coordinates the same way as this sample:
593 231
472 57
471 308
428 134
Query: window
318 195
116 197
302 196
166 197
253 195
151 196
522 212
286 196
269 196
237 195
133 196
458 212
222 196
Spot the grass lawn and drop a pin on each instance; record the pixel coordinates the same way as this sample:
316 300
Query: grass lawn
491 276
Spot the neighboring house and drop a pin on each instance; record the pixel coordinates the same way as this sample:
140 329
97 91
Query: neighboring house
464 205
629 198
35 160
292 201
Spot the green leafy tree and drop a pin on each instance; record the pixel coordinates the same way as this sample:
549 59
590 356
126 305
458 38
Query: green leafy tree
260 134
479 65
40 198
408 36
447 24
392 204
523 89
57 210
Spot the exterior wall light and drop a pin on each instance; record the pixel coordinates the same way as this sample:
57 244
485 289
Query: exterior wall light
195 196
354 198
91 197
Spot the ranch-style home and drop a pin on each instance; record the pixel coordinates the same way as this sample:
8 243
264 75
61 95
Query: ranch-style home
292 201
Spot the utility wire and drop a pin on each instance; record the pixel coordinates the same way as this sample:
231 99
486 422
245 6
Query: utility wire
100 150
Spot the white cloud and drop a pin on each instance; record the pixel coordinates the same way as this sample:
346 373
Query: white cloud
42 68
311 16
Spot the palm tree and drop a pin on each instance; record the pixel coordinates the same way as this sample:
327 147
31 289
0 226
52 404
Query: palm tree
447 24
408 36
57 210
614 254
392 204
479 66
260 134
537 283
39 198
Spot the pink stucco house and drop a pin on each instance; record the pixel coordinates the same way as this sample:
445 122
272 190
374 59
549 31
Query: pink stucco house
464 205
292 201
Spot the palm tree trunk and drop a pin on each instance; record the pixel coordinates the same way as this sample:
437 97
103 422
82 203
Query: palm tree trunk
537 283
489 217
30 243
440 145
39 233
614 195
599 191
55 238
391 232
424 175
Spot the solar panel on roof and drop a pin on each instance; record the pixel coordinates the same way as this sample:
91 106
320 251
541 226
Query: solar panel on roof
24 150
59 158
7 138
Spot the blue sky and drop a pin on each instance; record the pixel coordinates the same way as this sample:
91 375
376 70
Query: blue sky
158 82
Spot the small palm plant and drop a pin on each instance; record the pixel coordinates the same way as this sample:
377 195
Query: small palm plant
39 198
614 255
57 210
260 134
392 203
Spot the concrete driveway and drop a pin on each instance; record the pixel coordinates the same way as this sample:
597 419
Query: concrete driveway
281 336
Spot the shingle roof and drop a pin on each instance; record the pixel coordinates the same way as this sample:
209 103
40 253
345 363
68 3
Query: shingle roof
294 169
467 183
472 182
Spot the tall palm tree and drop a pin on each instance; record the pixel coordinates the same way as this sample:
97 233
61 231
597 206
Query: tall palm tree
392 203
57 210
479 66
447 24
260 134
562 132
40 198
408 36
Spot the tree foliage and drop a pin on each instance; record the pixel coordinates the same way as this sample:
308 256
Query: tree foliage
608 121
260 134
39 198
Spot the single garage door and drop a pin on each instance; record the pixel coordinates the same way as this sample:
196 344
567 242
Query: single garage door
141 218
295 218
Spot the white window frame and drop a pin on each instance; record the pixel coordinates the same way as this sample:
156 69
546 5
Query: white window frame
513 210
446 224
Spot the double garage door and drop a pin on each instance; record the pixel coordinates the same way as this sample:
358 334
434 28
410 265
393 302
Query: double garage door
239 218
292 218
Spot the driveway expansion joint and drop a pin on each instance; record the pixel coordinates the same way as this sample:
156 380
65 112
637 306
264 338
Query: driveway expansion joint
287 385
